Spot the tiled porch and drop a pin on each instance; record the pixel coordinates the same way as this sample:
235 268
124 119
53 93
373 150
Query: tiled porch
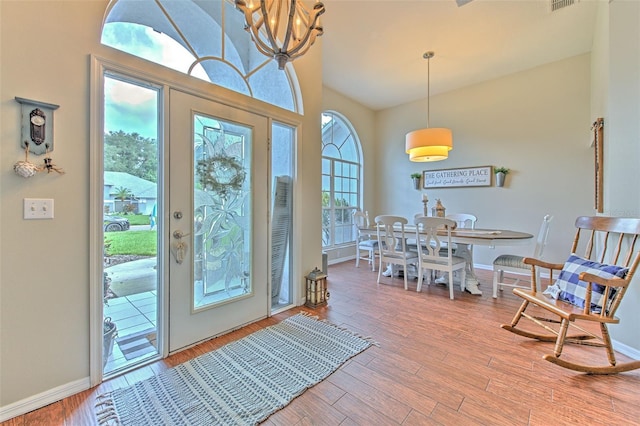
132 314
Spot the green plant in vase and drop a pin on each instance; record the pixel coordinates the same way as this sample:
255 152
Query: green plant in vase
416 179
501 173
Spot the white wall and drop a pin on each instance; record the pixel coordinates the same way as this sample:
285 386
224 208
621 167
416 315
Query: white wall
534 122
622 142
44 275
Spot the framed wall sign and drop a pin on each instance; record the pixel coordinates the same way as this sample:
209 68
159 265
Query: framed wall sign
462 177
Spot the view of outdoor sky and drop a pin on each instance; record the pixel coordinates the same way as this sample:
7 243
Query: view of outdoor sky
130 108
133 108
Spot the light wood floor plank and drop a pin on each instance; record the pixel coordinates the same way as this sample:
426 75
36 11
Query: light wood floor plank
439 362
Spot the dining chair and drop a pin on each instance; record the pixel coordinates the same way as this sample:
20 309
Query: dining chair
411 241
435 252
514 264
466 221
463 220
366 247
392 245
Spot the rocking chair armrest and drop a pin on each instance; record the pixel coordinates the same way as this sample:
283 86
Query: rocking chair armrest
542 264
607 282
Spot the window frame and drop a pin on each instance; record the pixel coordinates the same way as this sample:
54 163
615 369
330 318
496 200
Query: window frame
337 220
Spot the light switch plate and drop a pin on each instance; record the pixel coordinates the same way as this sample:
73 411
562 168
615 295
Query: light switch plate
38 208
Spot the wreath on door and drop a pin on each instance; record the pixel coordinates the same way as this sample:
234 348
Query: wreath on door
221 174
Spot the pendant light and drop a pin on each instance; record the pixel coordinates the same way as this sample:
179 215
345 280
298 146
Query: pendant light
430 143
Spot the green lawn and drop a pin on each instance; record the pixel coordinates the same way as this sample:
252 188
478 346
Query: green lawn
137 219
141 243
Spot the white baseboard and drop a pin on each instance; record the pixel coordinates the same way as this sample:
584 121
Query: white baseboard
42 399
341 259
626 350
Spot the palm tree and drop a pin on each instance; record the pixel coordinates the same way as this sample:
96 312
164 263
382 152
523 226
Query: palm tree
123 194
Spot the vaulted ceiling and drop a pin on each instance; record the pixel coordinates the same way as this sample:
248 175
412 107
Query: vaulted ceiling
372 50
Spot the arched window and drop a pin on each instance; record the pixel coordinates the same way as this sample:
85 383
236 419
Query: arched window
206 40
341 179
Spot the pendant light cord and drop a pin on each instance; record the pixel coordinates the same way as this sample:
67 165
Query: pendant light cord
428 55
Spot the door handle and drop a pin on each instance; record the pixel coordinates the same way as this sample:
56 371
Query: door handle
179 247
178 234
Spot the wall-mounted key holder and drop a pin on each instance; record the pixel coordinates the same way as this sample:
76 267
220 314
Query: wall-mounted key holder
37 125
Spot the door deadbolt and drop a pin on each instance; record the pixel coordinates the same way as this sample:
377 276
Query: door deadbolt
177 214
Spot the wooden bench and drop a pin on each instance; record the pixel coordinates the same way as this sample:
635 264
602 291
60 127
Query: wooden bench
610 245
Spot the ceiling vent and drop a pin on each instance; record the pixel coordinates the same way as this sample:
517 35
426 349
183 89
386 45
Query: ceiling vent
559 4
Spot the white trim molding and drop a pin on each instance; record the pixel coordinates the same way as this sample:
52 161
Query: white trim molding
626 350
42 399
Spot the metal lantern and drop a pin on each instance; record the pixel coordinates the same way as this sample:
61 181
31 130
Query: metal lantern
317 294
439 209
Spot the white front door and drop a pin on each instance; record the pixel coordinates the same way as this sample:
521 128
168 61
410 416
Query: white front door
218 219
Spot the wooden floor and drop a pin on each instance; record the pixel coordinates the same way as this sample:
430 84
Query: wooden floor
439 362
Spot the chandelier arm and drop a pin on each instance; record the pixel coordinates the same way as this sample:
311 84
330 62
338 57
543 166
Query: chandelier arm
271 32
254 28
289 32
298 52
309 38
249 25
263 47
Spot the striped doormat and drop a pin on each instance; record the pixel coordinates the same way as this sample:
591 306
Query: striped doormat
138 344
241 383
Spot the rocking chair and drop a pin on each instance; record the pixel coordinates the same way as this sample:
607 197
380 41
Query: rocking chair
585 290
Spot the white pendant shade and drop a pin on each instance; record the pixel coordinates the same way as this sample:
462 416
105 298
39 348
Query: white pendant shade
430 144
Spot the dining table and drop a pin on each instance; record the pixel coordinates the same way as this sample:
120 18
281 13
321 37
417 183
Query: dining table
465 238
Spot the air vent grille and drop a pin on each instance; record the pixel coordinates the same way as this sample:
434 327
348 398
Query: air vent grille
559 4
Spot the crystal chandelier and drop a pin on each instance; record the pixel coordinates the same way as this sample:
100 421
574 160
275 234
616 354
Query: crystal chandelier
269 21
430 143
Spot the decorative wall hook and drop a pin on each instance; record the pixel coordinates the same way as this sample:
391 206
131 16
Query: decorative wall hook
25 168
37 125
49 166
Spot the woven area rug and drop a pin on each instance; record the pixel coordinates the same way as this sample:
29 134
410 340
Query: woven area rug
241 383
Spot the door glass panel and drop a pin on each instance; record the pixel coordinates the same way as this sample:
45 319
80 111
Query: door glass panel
130 194
281 215
222 211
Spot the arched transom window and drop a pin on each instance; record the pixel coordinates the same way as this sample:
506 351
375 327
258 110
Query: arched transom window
205 39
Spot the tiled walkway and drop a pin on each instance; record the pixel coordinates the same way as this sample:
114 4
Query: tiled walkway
132 314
